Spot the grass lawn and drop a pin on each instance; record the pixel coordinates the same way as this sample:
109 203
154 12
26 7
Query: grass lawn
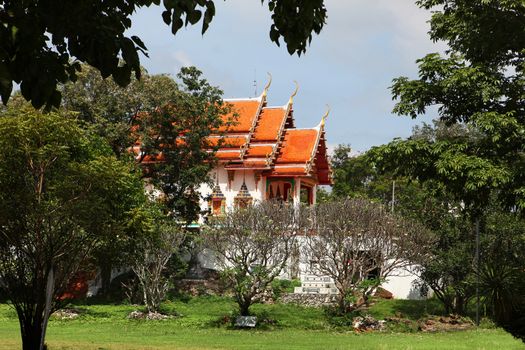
106 327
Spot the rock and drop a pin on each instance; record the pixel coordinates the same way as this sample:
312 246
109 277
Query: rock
66 314
139 315
310 300
445 323
367 323
383 293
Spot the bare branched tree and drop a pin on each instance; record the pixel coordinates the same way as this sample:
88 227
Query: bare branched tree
253 246
151 265
359 244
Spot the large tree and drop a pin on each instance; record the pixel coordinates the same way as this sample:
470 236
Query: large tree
111 110
175 144
165 116
58 187
478 85
42 42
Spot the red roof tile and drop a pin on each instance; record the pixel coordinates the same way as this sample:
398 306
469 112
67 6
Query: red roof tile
298 146
246 113
269 124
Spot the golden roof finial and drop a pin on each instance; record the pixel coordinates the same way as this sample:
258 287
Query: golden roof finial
323 121
265 91
290 101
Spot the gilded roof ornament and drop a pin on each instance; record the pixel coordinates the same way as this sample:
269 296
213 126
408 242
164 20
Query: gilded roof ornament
290 101
323 120
265 91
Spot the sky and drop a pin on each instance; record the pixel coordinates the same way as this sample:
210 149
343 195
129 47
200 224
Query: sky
349 66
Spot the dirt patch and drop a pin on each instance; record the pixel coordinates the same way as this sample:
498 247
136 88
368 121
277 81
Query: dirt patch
445 323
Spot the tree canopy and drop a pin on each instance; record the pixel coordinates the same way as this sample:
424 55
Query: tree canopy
42 43
479 84
62 194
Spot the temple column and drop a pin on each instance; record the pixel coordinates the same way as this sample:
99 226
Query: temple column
297 193
314 194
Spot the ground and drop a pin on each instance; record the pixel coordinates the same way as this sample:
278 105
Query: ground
199 327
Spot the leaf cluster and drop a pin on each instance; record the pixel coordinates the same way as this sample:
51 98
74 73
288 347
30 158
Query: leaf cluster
43 43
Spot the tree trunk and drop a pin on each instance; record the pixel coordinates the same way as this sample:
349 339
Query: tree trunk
31 331
244 307
460 305
105 277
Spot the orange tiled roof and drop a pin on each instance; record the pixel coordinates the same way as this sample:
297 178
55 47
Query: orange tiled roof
244 113
265 138
259 150
269 124
297 146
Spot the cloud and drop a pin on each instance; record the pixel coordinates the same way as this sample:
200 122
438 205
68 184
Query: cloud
182 59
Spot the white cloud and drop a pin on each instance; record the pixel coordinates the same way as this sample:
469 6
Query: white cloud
182 59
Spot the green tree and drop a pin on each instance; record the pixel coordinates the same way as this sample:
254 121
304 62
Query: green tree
110 110
58 186
479 87
42 43
153 109
176 149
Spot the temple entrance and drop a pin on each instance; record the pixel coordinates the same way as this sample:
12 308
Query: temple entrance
281 190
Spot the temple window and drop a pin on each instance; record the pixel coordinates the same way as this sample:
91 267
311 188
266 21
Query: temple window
217 202
243 199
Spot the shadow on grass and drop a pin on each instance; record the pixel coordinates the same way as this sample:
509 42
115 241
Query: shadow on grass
409 309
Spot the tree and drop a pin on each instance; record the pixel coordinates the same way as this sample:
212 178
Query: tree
253 246
175 146
42 43
448 271
110 110
143 112
154 255
57 187
359 244
478 84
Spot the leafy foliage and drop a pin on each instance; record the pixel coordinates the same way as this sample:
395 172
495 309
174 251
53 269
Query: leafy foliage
174 143
43 43
477 162
110 110
58 187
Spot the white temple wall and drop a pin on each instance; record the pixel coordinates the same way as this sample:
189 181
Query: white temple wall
257 192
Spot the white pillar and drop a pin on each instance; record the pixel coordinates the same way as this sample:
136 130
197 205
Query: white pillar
297 193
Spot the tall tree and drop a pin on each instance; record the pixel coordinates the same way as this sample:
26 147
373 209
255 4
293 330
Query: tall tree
58 186
110 110
175 144
479 85
42 43
150 111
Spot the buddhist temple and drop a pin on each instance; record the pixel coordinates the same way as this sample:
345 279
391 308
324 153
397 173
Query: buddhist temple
264 156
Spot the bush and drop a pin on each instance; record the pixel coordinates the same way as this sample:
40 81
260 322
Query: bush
283 286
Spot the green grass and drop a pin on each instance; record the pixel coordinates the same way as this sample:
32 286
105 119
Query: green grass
107 327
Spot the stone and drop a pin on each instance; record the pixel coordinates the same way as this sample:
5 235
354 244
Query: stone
246 321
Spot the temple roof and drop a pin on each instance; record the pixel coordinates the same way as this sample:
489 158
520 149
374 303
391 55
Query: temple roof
265 138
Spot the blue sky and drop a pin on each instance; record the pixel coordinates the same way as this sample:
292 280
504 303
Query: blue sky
349 66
